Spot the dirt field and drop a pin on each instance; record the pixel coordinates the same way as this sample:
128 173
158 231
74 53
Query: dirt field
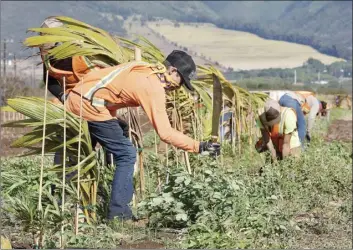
340 130
239 50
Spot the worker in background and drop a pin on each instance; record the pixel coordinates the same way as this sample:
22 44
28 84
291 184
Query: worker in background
324 110
279 132
290 99
133 84
310 107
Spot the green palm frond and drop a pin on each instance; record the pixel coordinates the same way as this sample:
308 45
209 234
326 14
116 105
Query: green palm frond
33 108
78 38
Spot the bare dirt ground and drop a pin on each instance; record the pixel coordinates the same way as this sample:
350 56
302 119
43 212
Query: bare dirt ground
236 49
340 130
6 150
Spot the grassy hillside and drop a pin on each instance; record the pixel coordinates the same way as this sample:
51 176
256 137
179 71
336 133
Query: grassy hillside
325 25
235 49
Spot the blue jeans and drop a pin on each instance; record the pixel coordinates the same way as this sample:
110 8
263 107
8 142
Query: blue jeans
110 135
289 102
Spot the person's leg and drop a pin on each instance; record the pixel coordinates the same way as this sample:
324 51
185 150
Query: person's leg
110 135
289 102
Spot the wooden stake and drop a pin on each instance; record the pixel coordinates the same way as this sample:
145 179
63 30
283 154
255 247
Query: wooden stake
138 57
129 122
43 143
142 176
175 127
223 130
79 162
64 172
186 155
138 54
155 142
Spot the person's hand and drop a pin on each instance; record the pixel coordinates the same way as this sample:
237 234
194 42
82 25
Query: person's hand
308 137
63 98
260 146
210 148
124 126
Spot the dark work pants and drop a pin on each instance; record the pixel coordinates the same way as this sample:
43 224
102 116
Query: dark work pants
110 135
289 102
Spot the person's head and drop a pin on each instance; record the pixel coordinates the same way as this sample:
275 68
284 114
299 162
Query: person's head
272 114
323 104
180 70
323 108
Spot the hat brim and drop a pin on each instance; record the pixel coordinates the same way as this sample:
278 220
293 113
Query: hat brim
269 123
187 84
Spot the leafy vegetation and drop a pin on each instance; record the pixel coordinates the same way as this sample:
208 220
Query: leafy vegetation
307 74
217 206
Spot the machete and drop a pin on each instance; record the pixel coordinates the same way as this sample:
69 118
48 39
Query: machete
217 107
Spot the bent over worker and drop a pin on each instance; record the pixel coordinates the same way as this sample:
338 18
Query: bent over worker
311 106
278 127
291 100
131 85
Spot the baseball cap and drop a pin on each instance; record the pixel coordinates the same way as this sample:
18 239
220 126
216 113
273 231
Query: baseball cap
185 66
272 114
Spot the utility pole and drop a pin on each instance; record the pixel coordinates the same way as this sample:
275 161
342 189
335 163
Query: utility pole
4 60
295 77
14 65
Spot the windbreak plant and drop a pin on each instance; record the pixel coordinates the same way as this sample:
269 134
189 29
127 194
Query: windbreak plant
33 108
77 38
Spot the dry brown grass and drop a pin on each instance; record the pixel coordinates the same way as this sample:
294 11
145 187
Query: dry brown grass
239 50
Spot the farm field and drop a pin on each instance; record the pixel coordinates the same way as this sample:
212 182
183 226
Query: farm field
57 193
236 49
299 204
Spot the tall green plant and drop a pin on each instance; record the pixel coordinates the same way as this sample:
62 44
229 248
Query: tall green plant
33 108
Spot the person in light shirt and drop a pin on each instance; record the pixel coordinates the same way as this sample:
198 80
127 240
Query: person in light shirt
278 127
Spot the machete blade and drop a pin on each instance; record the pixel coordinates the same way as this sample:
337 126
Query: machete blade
217 107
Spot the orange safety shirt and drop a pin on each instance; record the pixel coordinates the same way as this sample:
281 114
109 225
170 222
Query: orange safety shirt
127 86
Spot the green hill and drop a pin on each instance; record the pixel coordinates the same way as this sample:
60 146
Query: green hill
324 25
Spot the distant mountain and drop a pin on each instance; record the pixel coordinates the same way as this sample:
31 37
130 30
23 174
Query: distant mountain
324 25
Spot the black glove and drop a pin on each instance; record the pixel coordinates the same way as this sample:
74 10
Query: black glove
212 148
124 126
308 138
63 98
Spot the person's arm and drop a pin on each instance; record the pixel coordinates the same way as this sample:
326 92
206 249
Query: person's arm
152 100
286 145
267 140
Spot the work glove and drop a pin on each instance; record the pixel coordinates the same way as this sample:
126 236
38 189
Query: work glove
63 98
124 126
308 138
210 148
